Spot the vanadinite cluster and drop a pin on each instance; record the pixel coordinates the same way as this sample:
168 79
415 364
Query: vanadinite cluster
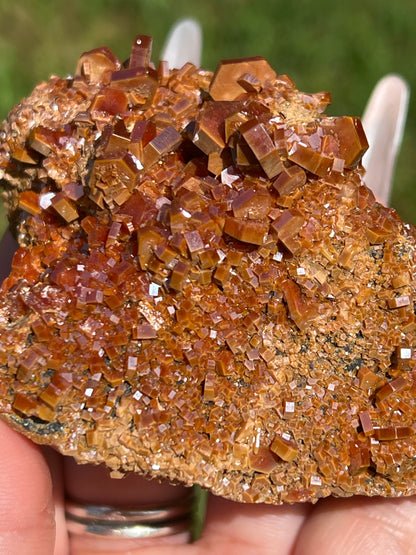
205 289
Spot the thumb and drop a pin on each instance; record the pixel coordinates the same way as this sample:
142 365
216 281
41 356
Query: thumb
27 524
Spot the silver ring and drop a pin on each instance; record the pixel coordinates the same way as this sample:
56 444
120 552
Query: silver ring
114 522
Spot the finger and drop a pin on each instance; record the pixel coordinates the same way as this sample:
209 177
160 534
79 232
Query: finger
384 120
359 526
27 523
55 464
184 44
251 529
92 485
244 529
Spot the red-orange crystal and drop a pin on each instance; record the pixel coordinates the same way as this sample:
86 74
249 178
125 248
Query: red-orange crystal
205 290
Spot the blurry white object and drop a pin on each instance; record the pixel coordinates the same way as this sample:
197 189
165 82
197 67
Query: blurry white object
384 120
183 44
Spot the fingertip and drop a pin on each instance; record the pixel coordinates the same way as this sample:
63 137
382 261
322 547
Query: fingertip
359 525
26 503
252 528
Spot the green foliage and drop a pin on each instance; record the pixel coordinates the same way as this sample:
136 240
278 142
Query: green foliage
323 45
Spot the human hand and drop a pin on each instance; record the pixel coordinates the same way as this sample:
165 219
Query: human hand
34 494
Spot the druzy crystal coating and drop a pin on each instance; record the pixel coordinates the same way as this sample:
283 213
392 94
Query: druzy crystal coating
205 289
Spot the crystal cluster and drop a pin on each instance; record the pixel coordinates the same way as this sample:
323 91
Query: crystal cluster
205 289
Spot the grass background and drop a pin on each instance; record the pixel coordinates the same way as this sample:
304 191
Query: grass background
343 47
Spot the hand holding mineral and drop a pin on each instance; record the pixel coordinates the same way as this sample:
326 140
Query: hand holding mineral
206 291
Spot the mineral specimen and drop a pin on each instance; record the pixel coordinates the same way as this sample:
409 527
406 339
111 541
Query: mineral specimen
205 289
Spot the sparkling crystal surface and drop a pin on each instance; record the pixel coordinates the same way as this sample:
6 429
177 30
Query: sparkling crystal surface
205 289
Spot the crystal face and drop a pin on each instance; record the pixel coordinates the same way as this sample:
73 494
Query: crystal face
205 289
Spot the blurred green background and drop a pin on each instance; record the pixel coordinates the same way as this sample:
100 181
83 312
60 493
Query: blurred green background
343 47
